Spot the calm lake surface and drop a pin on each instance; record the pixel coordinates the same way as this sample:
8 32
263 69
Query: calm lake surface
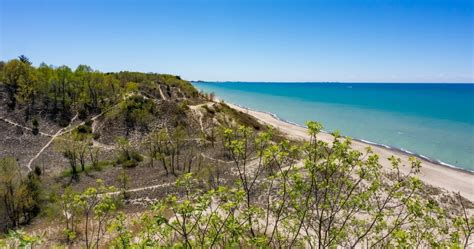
431 120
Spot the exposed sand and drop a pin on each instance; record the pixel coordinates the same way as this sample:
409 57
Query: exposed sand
437 175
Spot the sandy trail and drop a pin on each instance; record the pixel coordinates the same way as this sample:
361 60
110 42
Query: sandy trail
22 126
142 188
196 108
450 179
161 93
59 133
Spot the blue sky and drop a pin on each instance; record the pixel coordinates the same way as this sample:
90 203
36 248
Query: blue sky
260 40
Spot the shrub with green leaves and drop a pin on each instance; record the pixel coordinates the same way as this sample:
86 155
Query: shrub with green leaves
127 156
94 208
137 111
35 124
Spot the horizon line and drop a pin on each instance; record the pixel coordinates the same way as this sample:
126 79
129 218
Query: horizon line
329 82
5 60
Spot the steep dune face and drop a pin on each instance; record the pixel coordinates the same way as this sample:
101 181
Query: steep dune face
128 117
134 116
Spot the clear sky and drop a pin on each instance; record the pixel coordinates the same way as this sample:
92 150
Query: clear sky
259 40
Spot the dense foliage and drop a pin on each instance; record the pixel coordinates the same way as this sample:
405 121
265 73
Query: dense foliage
19 195
61 91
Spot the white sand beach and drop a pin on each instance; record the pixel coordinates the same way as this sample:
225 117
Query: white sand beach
450 179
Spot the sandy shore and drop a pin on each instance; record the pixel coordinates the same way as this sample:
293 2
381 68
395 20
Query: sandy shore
450 179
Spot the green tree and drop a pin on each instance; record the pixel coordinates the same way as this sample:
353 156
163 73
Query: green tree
93 155
27 89
97 208
123 180
35 124
127 155
177 138
238 145
13 72
69 148
159 147
68 203
63 85
124 236
95 205
24 59
137 111
20 197
10 184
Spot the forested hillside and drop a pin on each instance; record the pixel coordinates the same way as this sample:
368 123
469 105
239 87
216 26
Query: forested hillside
143 160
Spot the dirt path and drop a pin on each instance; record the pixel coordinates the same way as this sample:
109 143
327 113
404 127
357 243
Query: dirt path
161 93
142 188
251 163
61 132
22 126
214 159
58 133
195 108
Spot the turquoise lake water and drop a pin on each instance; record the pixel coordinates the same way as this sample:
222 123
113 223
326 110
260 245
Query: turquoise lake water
432 120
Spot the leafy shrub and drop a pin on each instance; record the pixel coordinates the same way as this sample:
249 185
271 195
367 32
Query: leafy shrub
84 132
127 156
83 113
130 159
137 110
35 124
84 129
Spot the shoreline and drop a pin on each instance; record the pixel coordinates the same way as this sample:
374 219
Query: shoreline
384 146
433 172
